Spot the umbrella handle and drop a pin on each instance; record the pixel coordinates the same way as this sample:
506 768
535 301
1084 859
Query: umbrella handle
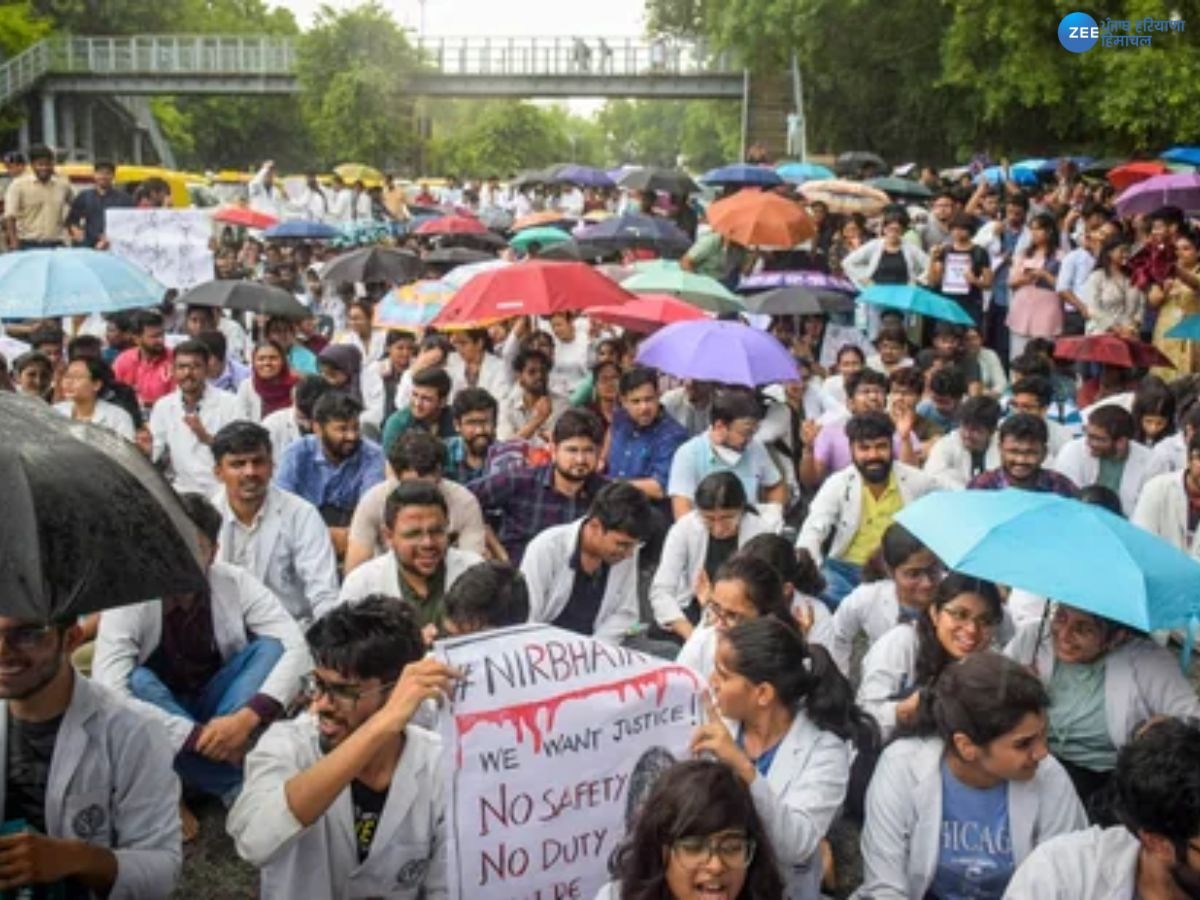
1037 644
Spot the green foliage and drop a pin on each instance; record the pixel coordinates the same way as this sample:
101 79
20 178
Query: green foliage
701 134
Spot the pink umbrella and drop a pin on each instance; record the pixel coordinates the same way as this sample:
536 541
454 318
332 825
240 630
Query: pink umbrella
647 313
1180 189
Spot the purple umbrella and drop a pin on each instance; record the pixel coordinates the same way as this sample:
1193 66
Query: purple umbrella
818 281
725 352
582 176
1180 189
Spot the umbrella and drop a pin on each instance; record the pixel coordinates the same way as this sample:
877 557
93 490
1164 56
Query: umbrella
647 313
638 230
1130 173
460 275
997 175
532 288
374 264
699 290
854 161
35 284
363 231
247 296
412 306
543 236
300 230
451 225
652 178
800 172
1186 329
496 217
352 172
742 174
846 197
575 251
546 217
244 216
89 524
725 352
483 240
1111 350
798 301
817 281
910 298
901 187
1022 538
1188 155
1180 189
581 176
455 256
756 219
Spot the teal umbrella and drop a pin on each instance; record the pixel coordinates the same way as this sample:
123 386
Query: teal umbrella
543 237
699 290
36 284
800 172
910 298
1187 329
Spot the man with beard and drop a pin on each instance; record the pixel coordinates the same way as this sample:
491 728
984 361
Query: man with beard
419 565
474 411
352 794
334 466
729 445
582 576
1108 455
857 504
182 424
146 366
288 425
276 536
212 667
1023 440
1155 853
522 502
529 410
35 205
90 777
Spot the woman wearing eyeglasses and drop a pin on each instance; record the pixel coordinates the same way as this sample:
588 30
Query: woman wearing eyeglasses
1104 680
962 620
696 547
698 837
791 733
957 804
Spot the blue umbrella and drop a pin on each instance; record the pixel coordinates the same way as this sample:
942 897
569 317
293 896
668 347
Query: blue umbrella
1073 552
995 175
1051 165
583 176
912 299
742 173
299 229
36 284
725 352
800 172
1188 155
637 230
1187 329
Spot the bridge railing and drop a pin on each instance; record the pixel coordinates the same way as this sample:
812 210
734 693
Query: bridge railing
166 55
565 56
20 73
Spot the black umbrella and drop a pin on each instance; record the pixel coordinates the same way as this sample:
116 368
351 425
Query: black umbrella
852 162
652 178
797 301
89 524
578 251
374 264
456 256
247 296
1098 168
481 240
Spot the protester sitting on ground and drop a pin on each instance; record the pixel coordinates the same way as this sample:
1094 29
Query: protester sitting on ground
968 450
796 729
643 439
146 366
89 776
212 667
963 618
1108 455
1023 450
351 791
288 425
1033 394
415 455
300 359
276 536
88 346
33 375
474 414
1104 680
487 596
850 361
269 388
1169 505
1156 791
427 408
83 383
696 546
1153 412
529 409
963 798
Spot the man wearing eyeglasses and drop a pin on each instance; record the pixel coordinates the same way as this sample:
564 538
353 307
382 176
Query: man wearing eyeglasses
88 775
420 565
349 799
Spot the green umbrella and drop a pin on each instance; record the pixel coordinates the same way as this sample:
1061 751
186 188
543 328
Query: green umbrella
699 290
543 237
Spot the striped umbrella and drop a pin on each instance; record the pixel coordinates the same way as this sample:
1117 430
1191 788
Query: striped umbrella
412 306
845 197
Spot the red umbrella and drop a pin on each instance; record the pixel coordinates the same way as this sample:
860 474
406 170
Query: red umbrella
451 225
647 312
1110 350
535 288
1132 172
244 216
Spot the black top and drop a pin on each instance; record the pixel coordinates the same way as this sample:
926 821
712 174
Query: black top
892 268
30 750
718 551
587 594
87 211
368 808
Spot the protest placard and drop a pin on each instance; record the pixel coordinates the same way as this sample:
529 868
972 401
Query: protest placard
170 244
551 741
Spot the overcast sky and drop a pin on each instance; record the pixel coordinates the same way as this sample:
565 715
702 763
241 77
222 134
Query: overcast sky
449 18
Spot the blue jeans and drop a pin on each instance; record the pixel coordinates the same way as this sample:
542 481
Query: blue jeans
841 578
230 689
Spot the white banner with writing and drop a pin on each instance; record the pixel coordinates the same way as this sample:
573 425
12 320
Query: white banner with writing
170 244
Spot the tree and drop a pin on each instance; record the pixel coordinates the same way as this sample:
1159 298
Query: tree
504 137
712 133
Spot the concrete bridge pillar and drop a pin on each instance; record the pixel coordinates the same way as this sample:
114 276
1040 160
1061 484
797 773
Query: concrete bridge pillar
49 120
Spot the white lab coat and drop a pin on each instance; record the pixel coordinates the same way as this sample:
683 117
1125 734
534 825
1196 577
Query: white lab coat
284 431
699 652
292 555
550 577
241 605
1094 864
249 404
408 854
381 575
1077 463
1162 509
1141 679
191 462
495 377
105 415
837 507
949 462
111 783
1168 455
682 560
870 608
888 669
902 833
264 198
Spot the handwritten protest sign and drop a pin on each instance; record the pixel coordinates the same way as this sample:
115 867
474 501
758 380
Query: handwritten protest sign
551 742
170 244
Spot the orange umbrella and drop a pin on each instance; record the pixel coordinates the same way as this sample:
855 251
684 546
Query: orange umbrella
1132 172
755 218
